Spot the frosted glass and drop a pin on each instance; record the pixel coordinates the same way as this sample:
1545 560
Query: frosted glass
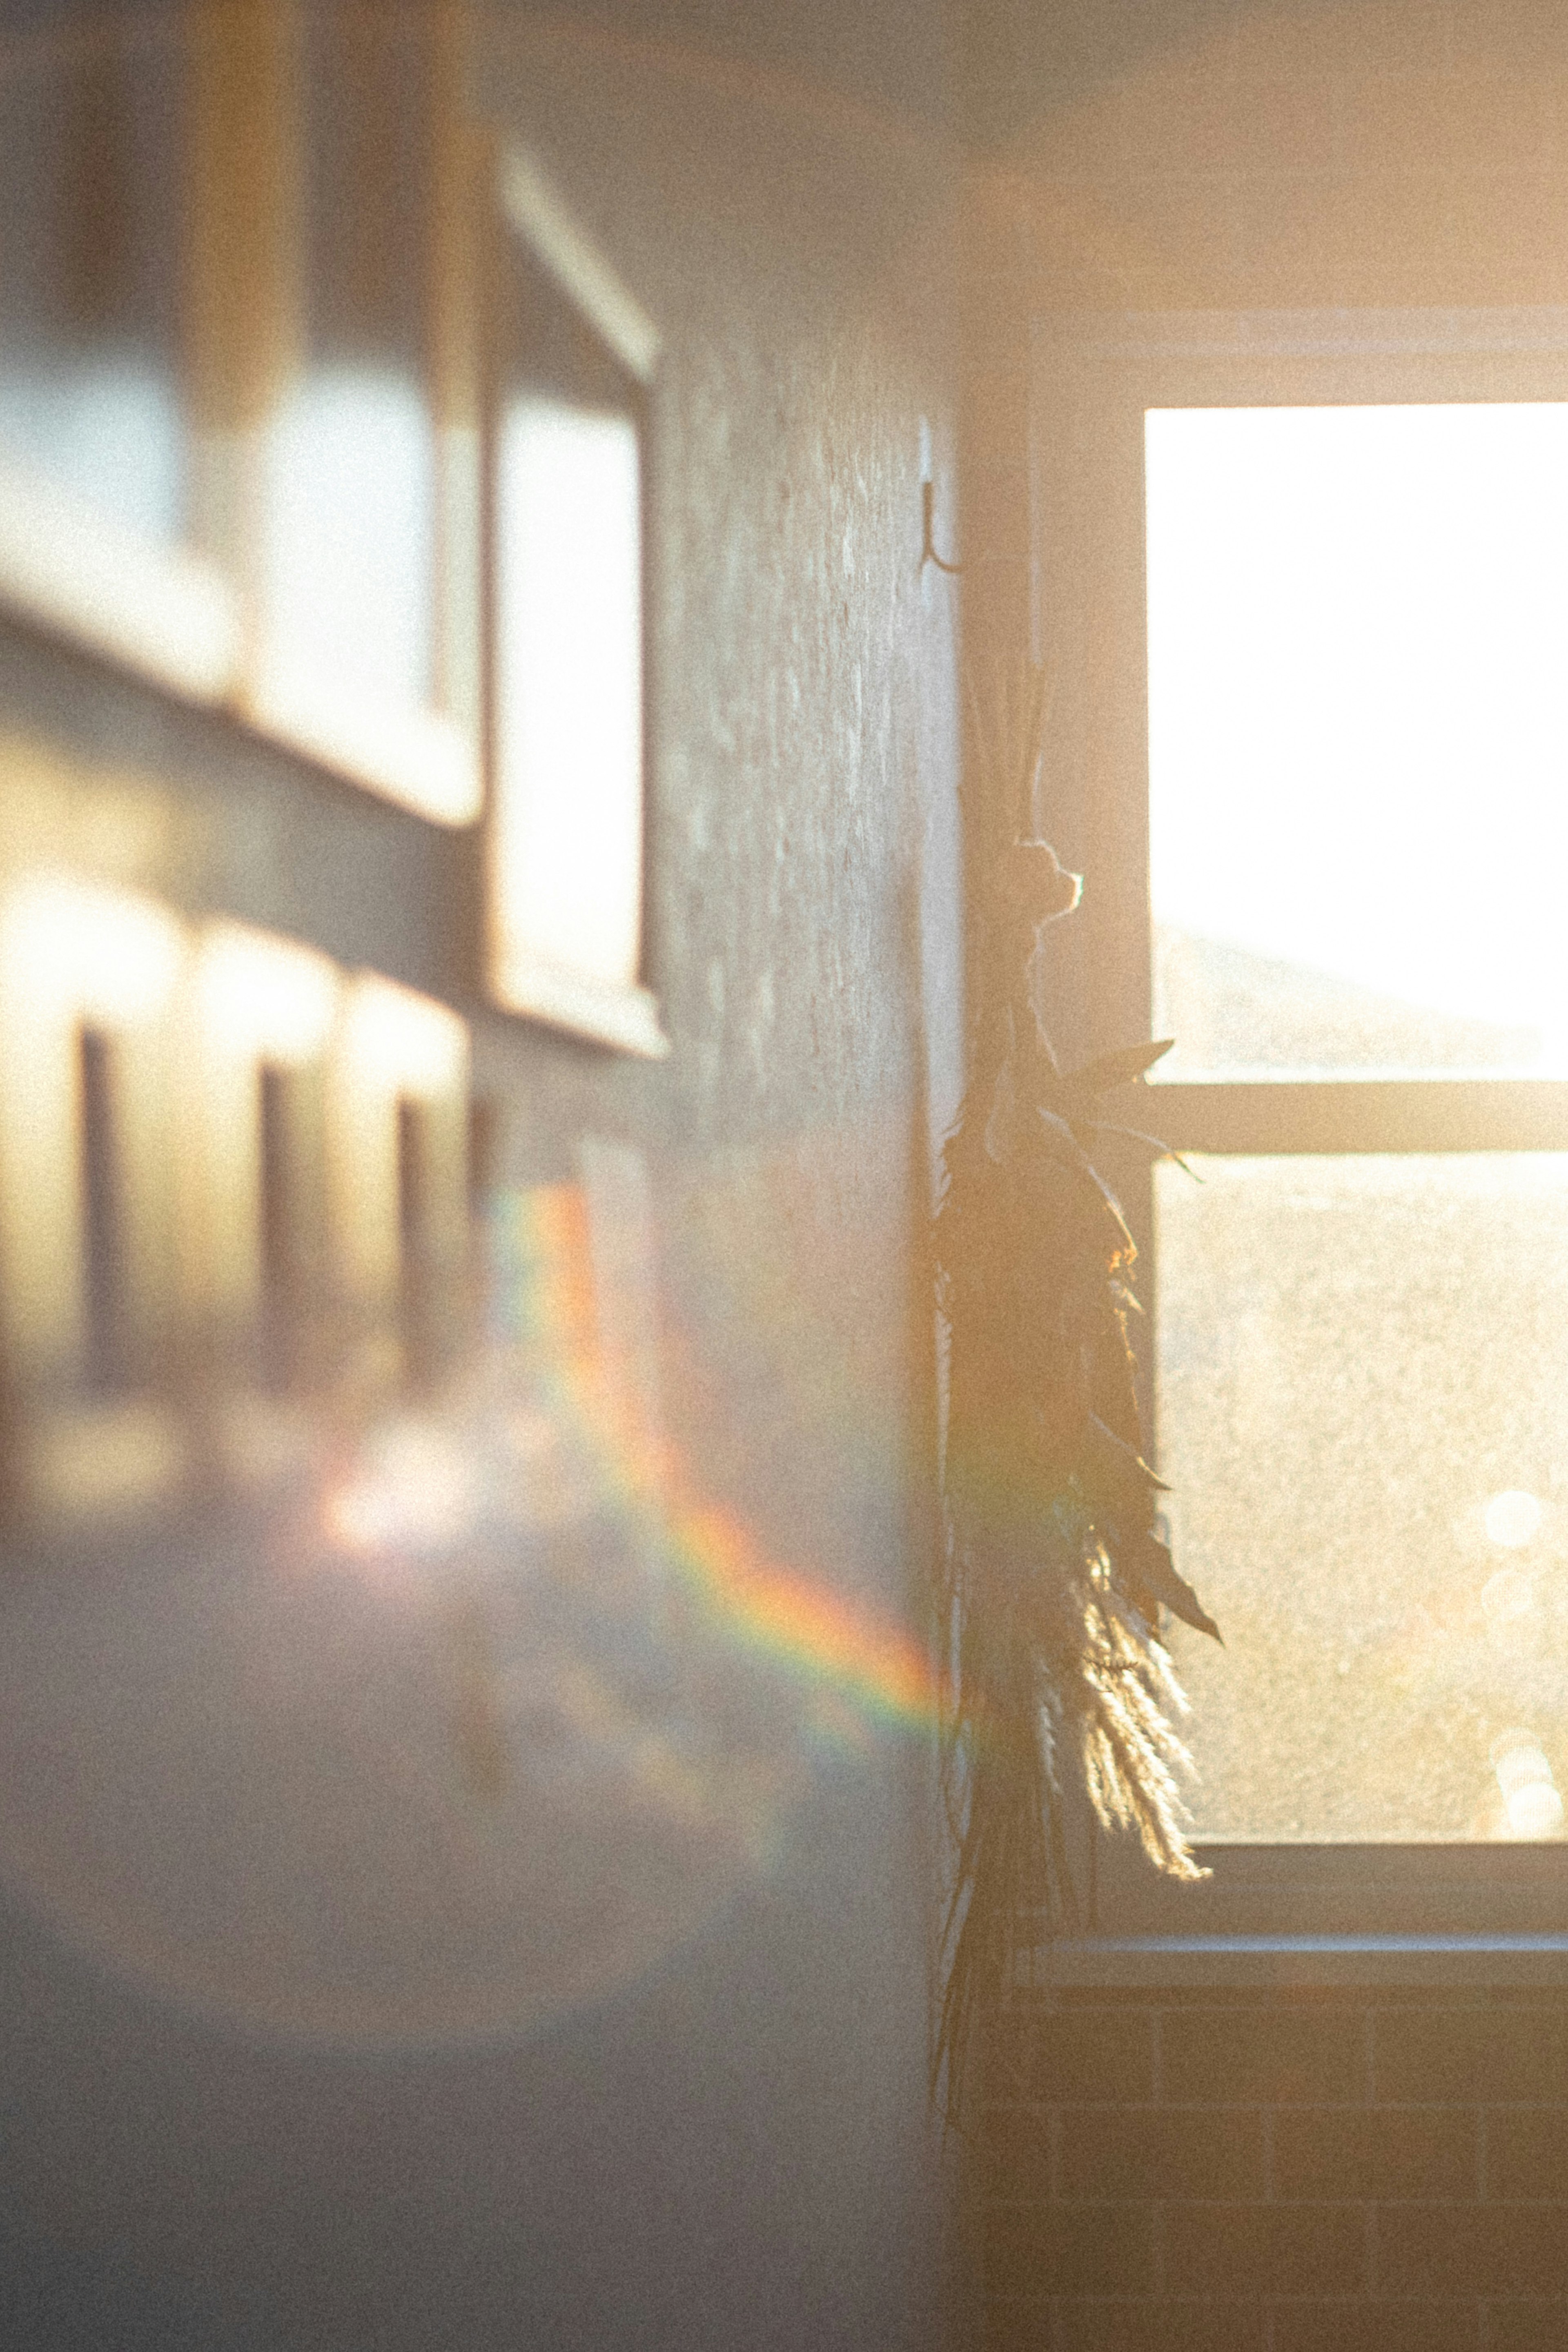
1358 733
1363 1407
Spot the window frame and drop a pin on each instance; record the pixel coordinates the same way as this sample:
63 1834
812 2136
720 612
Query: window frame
166 612
194 617
531 213
1325 1907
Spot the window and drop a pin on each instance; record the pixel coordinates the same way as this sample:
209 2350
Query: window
290 428
573 355
96 446
1304 583
238 446
355 415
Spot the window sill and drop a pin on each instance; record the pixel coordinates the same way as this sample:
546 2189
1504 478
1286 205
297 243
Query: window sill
1264 1960
416 759
626 1017
1262 1904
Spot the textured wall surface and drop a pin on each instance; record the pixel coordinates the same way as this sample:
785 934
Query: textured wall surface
722 2139
796 249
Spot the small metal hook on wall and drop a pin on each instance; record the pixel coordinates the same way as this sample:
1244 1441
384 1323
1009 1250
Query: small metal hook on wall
927 546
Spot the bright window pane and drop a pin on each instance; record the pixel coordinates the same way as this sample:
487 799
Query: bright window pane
1362 1408
349 536
567 827
1358 714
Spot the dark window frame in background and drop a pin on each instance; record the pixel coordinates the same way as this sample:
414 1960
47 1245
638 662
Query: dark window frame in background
1476 1908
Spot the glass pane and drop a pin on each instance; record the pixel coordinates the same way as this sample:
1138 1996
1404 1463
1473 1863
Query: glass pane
349 536
88 271
569 836
1358 724
1362 1409
351 497
566 832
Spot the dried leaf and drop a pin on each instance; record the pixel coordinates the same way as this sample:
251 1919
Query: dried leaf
1147 1562
1114 1468
1107 1071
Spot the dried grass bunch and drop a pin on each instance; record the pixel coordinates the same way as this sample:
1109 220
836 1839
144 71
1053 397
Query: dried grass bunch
1056 1571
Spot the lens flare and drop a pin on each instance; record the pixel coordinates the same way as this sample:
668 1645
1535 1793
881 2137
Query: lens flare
1512 1518
544 1294
414 1490
1533 1808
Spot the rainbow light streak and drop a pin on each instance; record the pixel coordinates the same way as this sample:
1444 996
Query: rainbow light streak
544 1296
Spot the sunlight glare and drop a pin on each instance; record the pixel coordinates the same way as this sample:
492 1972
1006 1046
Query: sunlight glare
264 997
1531 1803
414 1490
89 951
1358 702
1512 1518
398 1042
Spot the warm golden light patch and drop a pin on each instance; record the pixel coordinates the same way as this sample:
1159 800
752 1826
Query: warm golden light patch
136 1052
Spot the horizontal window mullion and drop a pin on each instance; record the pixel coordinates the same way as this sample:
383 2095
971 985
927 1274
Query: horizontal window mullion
1422 1888
1360 1115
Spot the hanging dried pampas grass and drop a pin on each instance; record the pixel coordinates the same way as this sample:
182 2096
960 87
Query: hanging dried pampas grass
1056 1573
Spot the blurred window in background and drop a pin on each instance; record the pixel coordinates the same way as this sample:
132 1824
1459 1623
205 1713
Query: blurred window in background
332 341
96 523
90 245
350 494
573 355
273 312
